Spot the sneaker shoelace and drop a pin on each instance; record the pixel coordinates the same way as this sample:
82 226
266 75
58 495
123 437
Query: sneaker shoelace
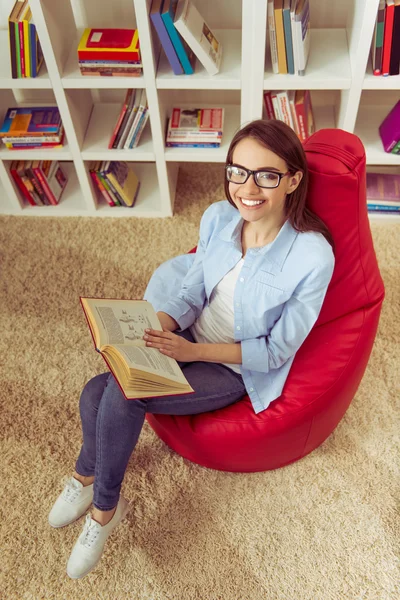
90 532
71 491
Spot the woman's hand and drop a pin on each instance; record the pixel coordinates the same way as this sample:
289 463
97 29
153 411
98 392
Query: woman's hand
171 345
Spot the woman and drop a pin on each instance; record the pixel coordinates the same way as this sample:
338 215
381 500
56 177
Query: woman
248 301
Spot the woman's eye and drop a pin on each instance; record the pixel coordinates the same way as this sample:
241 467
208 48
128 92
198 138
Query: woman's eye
269 176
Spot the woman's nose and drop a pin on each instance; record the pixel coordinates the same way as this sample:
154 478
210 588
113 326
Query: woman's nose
250 185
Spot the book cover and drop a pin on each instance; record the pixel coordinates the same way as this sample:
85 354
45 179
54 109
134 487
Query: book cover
36 121
93 171
140 128
135 117
394 66
272 36
292 98
269 109
185 54
26 17
288 36
280 36
198 35
39 169
377 45
389 129
202 119
284 106
57 180
383 188
302 101
167 45
113 44
124 179
387 37
13 40
117 328
303 34
16 169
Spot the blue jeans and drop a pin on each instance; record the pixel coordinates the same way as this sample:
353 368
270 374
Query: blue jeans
111 425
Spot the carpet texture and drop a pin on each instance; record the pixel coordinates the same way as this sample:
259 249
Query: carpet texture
324 528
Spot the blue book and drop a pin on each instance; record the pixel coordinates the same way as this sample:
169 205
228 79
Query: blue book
288 36
185 55
168 47
382 207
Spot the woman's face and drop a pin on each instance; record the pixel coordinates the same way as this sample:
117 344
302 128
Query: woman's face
257 204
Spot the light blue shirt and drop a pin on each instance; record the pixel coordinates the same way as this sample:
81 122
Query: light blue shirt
277 297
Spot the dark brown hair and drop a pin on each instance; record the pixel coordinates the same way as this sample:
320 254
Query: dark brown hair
283 141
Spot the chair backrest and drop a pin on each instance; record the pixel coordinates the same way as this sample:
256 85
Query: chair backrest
337 194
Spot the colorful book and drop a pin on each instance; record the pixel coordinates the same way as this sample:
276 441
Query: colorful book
17 172
197 119
389 129
31 121
25 17
269 109
387 37
377 44
394 66
109 44
161 30
198 35
185 54
13 39
124 179
302 35
383 189
304 113
288 36
280 36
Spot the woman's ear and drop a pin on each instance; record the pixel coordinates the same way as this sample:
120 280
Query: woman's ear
294 181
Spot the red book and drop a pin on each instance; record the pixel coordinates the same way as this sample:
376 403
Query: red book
268 105
109 44
387 36
20 183
101 187
120 118
21 46
37 169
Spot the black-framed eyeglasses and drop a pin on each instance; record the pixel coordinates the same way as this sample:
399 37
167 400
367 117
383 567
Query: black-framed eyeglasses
262 178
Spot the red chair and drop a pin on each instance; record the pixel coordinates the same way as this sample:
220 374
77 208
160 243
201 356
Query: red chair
329 366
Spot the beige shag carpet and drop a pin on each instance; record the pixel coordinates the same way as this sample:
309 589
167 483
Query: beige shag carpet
324 528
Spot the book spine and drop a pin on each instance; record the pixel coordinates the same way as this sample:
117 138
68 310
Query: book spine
27 54
288 40
32 37
140 128
387 38
275 104
191 145
21 47
32 191
280 38
284 107
166 43
383 207
101 188
396 148
125 115
18 50
112 178
377 57
20 184
38 187
117 126
13 51
303 37
117 55
292 106
395 49
135 124
118 200
301 118
41 177
186 59
272 36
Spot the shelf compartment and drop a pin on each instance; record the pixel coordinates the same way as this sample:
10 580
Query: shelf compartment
231 125
71 202
148 202
42 81
328 65
101 125
229 77
368 120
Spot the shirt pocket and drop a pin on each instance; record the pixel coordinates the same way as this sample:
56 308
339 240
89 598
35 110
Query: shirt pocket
270 283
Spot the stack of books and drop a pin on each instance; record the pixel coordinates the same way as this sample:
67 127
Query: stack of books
131 120
383 193
41 182
25 50
292 107
110 53
116 181
389 130
195 128
289 35
184 35
26 128
385 47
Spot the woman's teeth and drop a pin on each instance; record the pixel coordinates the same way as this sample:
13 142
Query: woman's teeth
251 202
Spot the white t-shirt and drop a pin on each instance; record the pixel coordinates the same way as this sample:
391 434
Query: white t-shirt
216 322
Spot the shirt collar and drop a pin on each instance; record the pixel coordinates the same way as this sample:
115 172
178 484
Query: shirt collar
277 251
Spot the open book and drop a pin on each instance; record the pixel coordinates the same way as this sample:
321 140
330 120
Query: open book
117 328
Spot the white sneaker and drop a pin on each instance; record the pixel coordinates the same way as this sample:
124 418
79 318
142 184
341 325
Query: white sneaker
71 504
89 547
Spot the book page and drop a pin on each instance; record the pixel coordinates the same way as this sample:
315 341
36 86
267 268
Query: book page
121 321
151 360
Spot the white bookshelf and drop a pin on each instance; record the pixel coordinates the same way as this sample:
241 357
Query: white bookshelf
344 92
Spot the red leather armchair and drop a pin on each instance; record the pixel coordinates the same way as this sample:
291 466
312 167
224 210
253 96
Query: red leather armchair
329 366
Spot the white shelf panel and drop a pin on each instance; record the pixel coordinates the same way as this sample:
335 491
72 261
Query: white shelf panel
231 124
378 82
63 153
6 80
7 207
71 204
368 120
391 219
72 77
229 77
101 125
328 66
148 203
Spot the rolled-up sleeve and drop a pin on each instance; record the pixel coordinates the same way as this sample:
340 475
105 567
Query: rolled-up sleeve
189 303
295 323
